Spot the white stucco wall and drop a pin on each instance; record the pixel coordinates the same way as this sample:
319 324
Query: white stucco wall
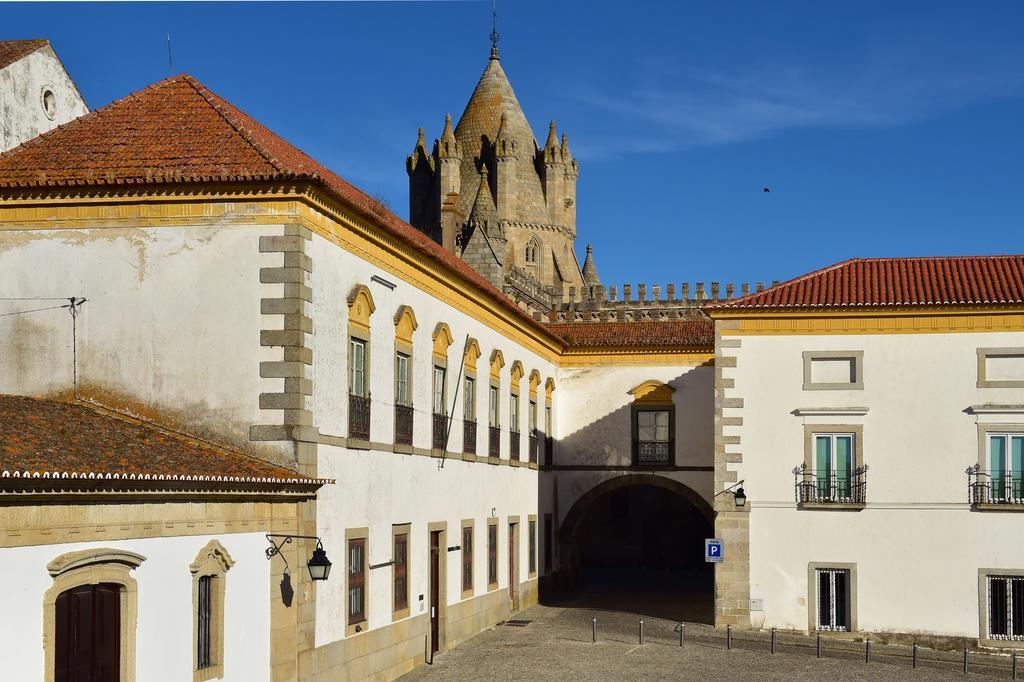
379 489
917 544
22 84
169 331
164 633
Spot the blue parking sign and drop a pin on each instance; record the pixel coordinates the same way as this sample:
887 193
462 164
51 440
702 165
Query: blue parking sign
714 550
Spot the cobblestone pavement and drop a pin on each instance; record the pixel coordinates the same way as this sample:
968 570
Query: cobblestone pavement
556 645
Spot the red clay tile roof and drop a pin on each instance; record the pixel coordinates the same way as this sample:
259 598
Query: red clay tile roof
891 282
48 439
678 333
177 131
13 50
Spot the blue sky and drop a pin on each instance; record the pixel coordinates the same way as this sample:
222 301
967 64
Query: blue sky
881 128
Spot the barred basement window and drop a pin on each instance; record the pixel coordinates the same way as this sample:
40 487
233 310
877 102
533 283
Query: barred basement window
1006 608
833 599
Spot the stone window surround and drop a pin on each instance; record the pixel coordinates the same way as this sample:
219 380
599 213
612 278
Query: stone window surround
92 567
984 429
468 523
364 625
858 368
812 596
532 524
983 576
983 355
214 561
396 530
810 430
492 522
360 308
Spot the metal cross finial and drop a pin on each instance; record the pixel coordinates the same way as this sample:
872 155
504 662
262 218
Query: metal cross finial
494 29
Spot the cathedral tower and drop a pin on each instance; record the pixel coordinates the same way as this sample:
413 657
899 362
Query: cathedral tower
489 193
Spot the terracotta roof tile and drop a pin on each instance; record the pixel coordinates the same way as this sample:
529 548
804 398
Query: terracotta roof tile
679 333
46 438
13 50
891 282
177 131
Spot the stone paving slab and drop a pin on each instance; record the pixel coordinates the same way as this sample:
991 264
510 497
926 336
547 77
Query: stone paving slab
556 645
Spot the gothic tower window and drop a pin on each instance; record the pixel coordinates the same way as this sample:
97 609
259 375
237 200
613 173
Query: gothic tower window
531 251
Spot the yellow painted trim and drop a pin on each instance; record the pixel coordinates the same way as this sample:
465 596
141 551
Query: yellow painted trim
360 307
653 392
549 388
935 322
405 324
442 339
497 362
516 373
472 355
534 383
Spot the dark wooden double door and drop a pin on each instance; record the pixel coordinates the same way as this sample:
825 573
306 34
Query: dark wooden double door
88 634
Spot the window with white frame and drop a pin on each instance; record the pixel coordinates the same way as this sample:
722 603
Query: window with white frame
357 367
833 599
514 413
492 409
1005 466
834 464
1006 607
439 392
469 400
401 379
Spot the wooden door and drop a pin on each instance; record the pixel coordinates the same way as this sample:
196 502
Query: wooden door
513 567
435 592
88 634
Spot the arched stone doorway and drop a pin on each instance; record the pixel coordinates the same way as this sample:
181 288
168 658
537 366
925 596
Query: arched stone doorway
636 543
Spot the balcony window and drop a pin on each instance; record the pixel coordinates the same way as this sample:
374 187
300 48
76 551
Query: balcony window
653 441
1006 452
831 473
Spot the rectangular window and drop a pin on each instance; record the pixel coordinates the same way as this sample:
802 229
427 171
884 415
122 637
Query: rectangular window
1006 608
401 572
514 414
834 458
1000 367
1006 464
357 368
533 417
204 639
548 536
439 392
532 544
833 597
467 559
401 379
492 409
492 554
833 370
469 400
356 581
653 442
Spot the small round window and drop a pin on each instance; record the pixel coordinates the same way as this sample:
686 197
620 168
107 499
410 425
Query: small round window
49 103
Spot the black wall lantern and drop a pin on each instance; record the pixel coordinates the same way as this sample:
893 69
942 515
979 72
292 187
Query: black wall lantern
319 565
739 495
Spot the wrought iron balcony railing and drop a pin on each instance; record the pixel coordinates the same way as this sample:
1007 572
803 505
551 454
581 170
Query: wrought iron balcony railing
358 417
439 440
994 487
549 450
830 486
533 446
403 424
494 441
513 445
469 437
654 452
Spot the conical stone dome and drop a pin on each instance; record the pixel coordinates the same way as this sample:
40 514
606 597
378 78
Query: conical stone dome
476 133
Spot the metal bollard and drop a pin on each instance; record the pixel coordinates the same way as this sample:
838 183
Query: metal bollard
773 640
818 644
641 633
682 634
965 660
867 650
593 631
728 637
1013 670
914 655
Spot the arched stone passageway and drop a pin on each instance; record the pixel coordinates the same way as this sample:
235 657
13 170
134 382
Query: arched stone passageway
636 543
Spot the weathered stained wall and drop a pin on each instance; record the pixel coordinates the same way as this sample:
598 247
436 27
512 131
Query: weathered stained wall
169 332
22 84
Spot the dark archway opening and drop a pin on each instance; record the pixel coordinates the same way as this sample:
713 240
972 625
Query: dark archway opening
640 548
